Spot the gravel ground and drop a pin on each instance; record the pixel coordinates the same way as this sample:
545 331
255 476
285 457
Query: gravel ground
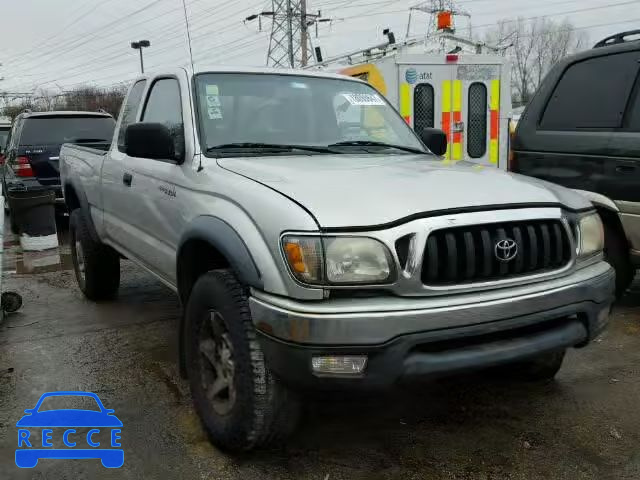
586 425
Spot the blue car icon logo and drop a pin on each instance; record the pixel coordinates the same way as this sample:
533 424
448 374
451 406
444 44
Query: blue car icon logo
66 427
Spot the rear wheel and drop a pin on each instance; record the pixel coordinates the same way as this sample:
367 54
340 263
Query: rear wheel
241 404
97 266
616 252
540 368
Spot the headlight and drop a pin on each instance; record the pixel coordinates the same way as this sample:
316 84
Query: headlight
338 260
356 260
591 235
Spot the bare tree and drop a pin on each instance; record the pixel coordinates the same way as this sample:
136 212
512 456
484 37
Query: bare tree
534 47
81 98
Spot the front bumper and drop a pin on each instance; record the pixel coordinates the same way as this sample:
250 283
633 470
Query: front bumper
406 337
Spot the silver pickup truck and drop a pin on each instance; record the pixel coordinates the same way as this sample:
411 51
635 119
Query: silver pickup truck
317 242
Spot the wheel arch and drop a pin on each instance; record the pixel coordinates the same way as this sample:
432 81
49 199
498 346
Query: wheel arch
75 198
208 243
608 211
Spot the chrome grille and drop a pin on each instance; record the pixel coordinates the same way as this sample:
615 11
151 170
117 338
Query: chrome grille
468 254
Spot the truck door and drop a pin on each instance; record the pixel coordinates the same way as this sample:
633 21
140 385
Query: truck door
116 202
153 186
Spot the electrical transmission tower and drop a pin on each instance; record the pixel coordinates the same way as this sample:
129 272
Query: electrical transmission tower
436 8
290 43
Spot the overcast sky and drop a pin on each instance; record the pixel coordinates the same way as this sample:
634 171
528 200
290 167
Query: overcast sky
63 43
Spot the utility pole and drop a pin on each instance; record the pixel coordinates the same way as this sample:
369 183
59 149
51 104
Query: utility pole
292 62
290 42
139 46
304 41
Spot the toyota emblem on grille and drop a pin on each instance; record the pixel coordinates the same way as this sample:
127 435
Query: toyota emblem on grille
506 250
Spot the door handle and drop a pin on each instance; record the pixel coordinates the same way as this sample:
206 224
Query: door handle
625 169
127 178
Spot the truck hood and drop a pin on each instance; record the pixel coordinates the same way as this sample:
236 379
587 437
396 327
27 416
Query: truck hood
371 190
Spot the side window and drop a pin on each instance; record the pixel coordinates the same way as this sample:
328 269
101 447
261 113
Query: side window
477 120
592 94
12 142
164 106
129 111
423 107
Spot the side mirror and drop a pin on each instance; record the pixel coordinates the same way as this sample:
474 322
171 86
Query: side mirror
435 140
149 140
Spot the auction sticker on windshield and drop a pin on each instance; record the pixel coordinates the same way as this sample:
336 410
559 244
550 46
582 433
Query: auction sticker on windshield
69 433
214 110
363 99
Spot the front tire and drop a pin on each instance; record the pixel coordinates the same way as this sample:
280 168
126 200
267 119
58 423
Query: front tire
616 253
96 265
241 404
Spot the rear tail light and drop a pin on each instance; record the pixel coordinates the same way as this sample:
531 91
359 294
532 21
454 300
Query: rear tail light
22 167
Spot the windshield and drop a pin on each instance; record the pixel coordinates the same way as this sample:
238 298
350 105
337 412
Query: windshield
273 109
4 133
59 130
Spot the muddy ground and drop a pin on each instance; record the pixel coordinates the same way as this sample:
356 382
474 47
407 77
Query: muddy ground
586 425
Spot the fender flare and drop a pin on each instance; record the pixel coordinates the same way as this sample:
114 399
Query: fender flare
222 236
599 200
76 187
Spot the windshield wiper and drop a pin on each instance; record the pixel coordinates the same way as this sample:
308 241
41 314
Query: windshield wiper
242 146
372 143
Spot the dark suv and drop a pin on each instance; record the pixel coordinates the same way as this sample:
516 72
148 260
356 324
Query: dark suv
582 130
33 147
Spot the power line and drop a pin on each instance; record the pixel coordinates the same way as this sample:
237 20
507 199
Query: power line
82 38
579 10
118 54
239 43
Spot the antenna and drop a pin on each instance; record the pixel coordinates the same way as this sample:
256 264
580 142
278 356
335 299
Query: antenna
186 21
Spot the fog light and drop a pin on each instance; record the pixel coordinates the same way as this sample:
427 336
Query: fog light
347 365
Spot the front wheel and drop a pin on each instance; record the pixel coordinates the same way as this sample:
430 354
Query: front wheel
616 253
241 404
96 265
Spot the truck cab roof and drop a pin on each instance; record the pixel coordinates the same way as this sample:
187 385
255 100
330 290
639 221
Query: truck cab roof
63 113
198 69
